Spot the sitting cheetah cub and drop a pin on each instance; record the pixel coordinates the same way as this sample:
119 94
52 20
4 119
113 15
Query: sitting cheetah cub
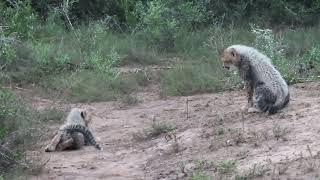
262 79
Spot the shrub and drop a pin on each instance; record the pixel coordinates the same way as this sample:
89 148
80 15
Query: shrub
226 166
7 49
161 21
312 58
105 66
19 127
158 128
20 18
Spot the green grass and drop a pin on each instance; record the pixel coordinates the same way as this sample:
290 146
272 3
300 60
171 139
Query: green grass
191 78
20 126
200 176
226 166
200 71
158 128
87 86
129 99
92 53
299 41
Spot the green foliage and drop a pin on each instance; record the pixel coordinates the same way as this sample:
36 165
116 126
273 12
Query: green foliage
143 77
272 12
158 128
7 49
20 19
162 20
126 14
106 65
312 57
189 79
49 114
15 115
200 176
19 127
226 166
49 57
299 40
88 86
142 56
129 99
158 26
7 112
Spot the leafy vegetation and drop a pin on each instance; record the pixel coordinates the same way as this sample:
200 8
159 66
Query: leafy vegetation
226 166
19 127
158 128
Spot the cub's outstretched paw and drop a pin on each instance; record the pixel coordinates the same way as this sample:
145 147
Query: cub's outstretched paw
98 146
254 110
49 149
246 107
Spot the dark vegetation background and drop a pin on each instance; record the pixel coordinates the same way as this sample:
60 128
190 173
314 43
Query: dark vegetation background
75 50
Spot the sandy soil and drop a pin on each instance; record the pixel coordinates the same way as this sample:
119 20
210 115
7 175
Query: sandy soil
211 130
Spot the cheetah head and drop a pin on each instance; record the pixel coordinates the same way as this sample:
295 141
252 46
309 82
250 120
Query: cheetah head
229 57
85 116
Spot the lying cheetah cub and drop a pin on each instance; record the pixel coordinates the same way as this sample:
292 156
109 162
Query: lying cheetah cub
74 133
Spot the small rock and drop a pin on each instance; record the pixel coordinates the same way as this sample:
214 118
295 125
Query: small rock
173 177
229 142
189 168
181 175
84 165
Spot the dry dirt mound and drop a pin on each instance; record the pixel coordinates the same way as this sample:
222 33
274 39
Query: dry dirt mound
216 139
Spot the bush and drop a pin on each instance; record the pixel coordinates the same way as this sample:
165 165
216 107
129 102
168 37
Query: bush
158 128
161 21
19 127
19 18
7 49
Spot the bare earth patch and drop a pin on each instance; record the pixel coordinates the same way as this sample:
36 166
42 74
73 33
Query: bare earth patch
212 136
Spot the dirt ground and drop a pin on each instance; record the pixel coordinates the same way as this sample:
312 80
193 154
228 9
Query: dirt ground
213 137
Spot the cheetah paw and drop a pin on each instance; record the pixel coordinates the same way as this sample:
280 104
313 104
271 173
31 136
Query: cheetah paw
253 110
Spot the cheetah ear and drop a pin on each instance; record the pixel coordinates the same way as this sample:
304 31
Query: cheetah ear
233 52
83 114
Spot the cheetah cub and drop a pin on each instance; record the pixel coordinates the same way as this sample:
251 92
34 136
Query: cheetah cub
74 133
262 79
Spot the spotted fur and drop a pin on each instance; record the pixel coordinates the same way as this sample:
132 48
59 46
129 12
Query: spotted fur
261 78
74 133
88 137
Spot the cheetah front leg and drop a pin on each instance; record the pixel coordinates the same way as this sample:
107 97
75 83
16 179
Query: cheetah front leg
54 142
249 89
251 106
65 144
